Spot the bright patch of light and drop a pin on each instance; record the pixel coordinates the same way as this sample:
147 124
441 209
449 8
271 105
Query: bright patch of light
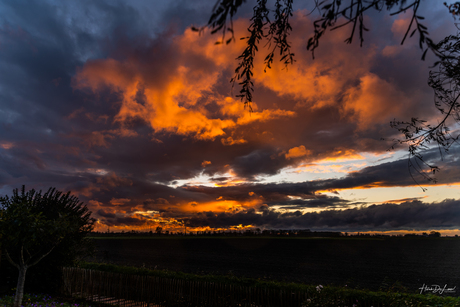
226 179
393 194
148 212
201 179
97 171
331 168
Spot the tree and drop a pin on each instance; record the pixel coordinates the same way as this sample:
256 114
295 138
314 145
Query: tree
273 26
158 230
435 234
33 225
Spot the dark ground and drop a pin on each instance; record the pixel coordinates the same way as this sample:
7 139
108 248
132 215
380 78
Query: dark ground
357 263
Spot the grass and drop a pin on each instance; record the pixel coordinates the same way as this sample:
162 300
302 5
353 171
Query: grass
39 300
45 300
319 295
229 279
331 297
325 296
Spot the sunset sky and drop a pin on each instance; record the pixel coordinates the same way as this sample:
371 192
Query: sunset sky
122 104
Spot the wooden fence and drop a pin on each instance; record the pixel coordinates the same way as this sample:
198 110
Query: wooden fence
152 291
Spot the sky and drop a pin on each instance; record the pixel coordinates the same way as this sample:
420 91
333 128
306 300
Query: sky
122 104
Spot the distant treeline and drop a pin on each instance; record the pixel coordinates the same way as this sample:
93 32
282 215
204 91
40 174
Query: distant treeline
258 233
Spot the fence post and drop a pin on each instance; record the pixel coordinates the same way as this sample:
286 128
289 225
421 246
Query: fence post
153 290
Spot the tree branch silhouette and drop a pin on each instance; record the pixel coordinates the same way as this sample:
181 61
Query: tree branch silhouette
445 81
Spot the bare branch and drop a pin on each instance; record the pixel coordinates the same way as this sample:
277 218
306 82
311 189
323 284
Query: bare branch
11 260
41 257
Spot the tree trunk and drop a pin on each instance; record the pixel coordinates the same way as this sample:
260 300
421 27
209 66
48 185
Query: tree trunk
20 286
22 267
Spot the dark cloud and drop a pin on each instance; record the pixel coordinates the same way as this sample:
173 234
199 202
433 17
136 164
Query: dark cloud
319 201
305 194
413 215
56 133
125 221
105 214
259 162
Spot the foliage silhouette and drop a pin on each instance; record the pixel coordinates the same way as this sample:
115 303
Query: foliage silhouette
273 25
418 134
33 225
159 230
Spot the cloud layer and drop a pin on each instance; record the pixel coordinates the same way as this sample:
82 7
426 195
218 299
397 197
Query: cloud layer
125 106
413 215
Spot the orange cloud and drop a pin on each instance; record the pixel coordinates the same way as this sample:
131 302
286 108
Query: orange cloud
205 163
6 145
112 181
220 205
97 138
337 77
373 101
342 155
390 51
185 100
230 141
94 203
175 102
297 152
315 83
400 26
119 201
399 29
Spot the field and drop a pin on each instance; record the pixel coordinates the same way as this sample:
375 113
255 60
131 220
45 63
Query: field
357 263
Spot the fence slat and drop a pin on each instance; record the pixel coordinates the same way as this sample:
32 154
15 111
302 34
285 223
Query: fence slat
154 291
